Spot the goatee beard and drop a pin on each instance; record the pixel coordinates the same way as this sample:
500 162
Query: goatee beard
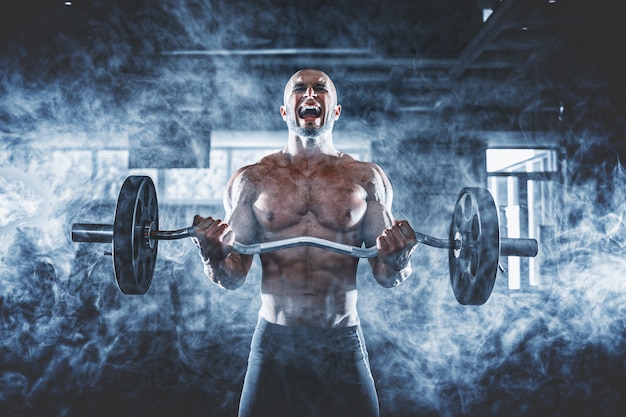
309 132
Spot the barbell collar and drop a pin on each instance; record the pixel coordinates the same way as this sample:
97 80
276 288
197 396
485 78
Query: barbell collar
96 233
524 247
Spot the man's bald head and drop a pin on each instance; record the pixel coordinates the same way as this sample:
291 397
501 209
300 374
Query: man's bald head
309 74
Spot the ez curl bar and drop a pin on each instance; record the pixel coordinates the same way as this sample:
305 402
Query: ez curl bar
474 244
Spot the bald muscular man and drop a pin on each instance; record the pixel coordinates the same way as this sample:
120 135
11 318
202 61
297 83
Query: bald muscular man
308 356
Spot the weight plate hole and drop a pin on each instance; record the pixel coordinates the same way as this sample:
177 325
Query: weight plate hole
467 209
475 228
458 216
474 264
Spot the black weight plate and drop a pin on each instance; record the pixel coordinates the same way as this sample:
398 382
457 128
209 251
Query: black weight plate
134 254
473 266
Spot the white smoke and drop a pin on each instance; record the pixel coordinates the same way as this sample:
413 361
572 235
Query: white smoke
71 343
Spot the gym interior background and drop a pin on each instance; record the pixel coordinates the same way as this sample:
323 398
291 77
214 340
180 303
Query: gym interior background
525 97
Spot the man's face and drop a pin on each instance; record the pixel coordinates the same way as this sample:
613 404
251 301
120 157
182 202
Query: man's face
310 103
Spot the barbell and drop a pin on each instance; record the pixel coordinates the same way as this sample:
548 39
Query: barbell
474 244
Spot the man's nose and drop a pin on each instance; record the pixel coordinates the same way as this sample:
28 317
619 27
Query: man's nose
310 92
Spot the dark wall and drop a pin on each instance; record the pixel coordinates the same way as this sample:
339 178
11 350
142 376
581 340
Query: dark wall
72 344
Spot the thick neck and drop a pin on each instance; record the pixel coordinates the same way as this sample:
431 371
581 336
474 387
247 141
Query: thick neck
309 146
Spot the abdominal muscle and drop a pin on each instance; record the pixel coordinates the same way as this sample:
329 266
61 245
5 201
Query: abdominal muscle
310 310
306 293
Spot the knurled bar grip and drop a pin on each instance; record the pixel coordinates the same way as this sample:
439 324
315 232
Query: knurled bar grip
103 233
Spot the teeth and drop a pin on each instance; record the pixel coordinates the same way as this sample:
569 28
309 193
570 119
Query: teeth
309 110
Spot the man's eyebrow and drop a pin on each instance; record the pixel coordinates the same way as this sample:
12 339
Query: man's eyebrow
317 84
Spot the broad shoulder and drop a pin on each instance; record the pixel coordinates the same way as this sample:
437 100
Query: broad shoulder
374 180
243 186
261 168
369 173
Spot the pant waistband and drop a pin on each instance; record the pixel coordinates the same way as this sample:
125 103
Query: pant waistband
337 337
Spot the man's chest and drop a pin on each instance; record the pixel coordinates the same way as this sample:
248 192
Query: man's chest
329 197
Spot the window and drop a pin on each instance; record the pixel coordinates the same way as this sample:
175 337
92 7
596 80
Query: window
520 181
106 169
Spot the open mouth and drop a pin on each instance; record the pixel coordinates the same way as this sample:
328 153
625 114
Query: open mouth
309 111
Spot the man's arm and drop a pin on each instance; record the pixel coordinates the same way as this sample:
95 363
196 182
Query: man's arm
222 265
395 240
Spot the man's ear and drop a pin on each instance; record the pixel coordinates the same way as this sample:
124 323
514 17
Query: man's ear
337 111
283 112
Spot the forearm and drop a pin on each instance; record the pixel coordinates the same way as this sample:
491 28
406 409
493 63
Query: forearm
229 273
391 270
390 276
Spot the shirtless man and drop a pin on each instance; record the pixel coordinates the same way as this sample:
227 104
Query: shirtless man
308 357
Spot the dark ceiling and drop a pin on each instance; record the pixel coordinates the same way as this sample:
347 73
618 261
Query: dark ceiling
531 65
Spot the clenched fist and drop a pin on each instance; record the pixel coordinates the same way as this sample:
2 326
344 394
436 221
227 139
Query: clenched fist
396 244
214 238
